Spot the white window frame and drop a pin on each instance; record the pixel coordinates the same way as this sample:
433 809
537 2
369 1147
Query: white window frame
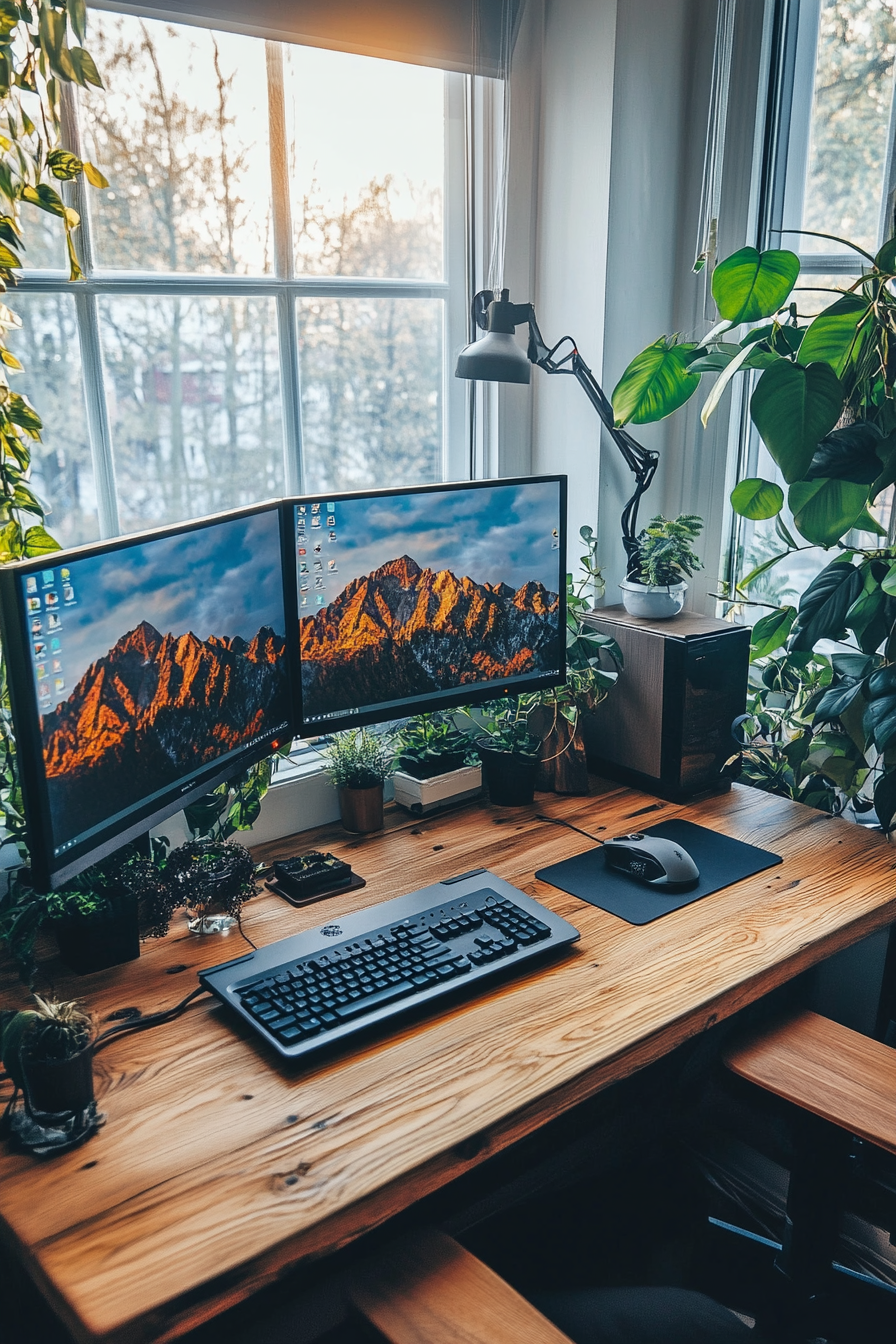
781 183
283 286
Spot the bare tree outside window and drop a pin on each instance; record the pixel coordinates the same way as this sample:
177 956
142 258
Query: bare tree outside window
190 318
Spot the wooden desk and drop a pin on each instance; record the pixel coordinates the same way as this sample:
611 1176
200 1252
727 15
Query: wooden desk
219 1168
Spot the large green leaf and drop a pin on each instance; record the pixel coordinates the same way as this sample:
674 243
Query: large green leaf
848 454
655 384
886 451
831 339
771 632
824 511
855 666
756 498
885 800
865 617
879 721
749 285
824 604
886 257
794 408
834 701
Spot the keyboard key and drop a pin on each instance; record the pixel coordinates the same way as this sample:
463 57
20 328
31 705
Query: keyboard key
290 1035
279 1023
375 1000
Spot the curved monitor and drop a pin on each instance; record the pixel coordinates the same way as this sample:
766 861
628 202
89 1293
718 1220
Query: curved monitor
428 597
143 671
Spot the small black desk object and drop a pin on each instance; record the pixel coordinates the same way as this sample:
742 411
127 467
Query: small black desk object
720 859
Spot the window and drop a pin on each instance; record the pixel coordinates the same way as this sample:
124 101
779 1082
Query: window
271 296
831 169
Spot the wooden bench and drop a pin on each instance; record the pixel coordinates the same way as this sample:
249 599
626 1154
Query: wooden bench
426 1289
844 1084
826 1069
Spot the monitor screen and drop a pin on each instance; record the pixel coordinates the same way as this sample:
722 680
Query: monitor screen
144 671
419 598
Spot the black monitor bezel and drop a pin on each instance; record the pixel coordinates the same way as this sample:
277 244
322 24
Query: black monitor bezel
49 871
474 695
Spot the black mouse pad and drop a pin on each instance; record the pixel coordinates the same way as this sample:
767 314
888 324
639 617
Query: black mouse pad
720 860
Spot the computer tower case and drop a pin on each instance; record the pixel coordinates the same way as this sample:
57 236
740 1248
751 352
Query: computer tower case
666 725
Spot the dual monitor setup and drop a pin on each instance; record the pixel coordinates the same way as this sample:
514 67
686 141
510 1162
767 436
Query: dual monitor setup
145 670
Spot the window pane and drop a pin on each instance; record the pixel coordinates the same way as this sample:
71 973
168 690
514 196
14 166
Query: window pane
371 391
850 116
44 235
181 132
194 403
366 155
62 468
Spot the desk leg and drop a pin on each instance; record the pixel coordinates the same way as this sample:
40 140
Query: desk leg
814 1208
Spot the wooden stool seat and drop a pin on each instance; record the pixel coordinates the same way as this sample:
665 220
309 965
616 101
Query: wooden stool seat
426 1289
826 1069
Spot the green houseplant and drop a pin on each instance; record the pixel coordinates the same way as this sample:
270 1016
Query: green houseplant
824 406
593 663
212 879
359 763
666 559
430 744
507 747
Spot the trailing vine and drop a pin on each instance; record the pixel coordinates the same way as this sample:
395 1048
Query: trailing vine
41 48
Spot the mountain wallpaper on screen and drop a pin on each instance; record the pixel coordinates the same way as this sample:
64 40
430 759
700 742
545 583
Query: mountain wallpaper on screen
403 631
153 709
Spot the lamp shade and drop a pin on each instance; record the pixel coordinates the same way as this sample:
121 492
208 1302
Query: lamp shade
494 358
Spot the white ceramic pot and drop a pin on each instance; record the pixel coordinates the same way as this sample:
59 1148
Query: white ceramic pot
654 602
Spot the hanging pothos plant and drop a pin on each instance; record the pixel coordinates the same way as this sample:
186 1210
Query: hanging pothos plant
825 409
41 48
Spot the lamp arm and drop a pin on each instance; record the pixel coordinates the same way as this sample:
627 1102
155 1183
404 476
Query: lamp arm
642 462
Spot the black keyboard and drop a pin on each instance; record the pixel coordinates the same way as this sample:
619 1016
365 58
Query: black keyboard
307 991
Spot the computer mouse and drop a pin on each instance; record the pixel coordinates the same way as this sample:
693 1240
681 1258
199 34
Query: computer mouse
653 861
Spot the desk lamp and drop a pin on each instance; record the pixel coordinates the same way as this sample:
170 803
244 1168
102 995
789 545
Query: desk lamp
496 358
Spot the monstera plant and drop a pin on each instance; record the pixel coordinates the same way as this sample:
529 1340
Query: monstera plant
823 404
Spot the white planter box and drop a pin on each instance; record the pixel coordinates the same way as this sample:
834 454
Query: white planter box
428 795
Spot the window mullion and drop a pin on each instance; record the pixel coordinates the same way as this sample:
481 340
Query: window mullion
97 415
290 374
98 431
455 445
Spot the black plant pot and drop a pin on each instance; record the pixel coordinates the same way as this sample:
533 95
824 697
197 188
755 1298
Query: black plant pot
509 778
436 765
94 942
54 1086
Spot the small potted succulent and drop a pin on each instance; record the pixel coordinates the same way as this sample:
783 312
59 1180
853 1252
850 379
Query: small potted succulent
211 878
665 557
48 1053
359 763
507 748
430 745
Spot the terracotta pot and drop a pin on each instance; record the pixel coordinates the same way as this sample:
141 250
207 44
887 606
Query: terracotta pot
361 810
55 1086
509 778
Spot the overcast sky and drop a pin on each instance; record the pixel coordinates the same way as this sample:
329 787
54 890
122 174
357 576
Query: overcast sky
492 535
218 580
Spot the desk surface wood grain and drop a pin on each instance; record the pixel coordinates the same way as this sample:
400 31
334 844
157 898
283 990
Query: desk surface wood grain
220 1166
